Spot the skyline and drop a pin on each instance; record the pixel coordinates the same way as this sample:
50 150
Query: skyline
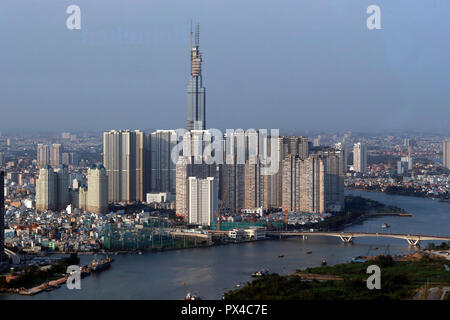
101 77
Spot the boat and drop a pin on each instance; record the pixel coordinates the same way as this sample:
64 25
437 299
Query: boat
385 225
405 214
324 262
308 252
281 256
360 259
100 265
238 286
190 296
261 273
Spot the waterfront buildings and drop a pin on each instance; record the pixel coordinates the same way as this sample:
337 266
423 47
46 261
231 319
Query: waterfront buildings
196 104
446 153
314 184
203 200
126 157
359 157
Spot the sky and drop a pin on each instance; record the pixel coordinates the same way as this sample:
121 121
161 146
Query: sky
296 65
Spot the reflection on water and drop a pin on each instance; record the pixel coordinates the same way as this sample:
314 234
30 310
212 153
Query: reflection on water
211 271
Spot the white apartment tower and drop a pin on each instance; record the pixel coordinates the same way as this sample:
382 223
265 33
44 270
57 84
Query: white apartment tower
203 202
359 157
446 153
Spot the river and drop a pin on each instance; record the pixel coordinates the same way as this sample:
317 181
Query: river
209 272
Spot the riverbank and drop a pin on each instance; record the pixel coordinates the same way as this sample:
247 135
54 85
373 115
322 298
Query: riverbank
358 209
401 279
402 192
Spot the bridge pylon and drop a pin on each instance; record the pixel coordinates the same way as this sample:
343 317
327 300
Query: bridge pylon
413 242
346 239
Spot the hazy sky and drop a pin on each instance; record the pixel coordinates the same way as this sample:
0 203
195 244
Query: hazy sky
295 65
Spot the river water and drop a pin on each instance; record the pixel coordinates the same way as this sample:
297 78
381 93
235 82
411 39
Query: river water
209 272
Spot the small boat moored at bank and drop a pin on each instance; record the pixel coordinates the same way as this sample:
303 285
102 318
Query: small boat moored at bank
261 273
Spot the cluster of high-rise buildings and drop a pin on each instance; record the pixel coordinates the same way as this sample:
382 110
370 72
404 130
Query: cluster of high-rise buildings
242 170
55 192
54 155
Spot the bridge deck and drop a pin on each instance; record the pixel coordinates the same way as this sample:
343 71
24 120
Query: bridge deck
361 234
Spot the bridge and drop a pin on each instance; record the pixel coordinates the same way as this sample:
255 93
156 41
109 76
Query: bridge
413 239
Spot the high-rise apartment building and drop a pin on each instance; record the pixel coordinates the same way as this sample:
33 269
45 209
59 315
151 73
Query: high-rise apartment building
314 184
46 189
43 155
335 168
446 153
186 167
126 157
360 157
290 183
163 169
97 193
196 104
56 155
2 217
52 188
62 183
202 200
294 145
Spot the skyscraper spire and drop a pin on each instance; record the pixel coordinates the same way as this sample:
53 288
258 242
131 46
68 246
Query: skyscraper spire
196 109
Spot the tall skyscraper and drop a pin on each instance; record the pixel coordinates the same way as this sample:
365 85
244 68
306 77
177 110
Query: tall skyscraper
52 188
446 153
312 185
46 189
56 155
43 155
290 185
359 157
163 169
196 104
2 216
97 194
62 183
203 203
315 184
126 157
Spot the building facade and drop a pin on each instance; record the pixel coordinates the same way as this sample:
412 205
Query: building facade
203 201
126 157
446 153
359 157
97 194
